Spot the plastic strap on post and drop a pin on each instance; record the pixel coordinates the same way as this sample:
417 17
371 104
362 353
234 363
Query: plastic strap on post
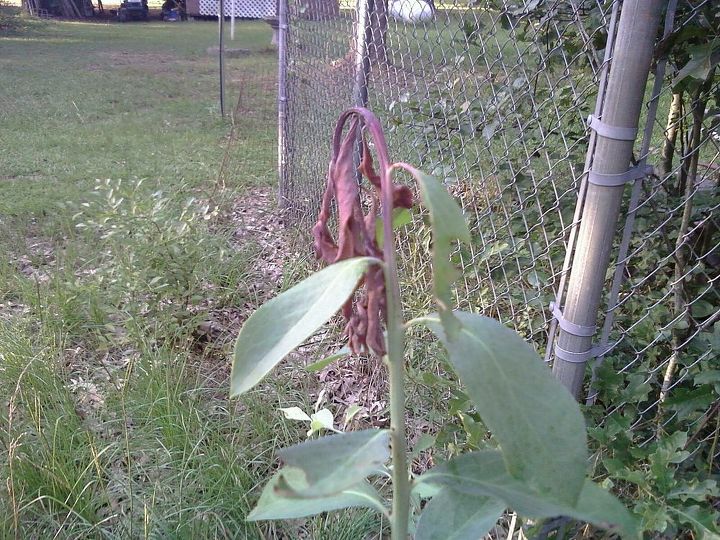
576 330
573 357
611 132
619 179
582 357
571 327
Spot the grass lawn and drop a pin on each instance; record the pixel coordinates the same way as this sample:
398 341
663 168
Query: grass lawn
118 178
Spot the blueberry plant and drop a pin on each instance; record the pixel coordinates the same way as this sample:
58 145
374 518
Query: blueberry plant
539 466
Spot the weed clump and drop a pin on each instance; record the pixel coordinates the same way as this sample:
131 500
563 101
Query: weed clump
13 20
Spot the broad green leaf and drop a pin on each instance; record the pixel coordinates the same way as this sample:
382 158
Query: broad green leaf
536 421
321 364
401 217
451 515
284 322
425 490
703 58
694 489
484 473
709 376
351 412
278 502
702 308
295 413
603 509
323 419
424 442
448 225
703 520
336 462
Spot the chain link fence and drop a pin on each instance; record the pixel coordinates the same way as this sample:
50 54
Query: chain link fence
493 98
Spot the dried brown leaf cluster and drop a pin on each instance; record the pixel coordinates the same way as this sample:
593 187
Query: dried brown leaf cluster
356 235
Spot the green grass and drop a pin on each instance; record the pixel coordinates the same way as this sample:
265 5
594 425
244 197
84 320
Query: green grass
87 101
116 422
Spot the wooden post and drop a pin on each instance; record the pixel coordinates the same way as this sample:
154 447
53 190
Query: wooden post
616 132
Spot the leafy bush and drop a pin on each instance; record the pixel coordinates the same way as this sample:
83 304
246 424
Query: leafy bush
14 20
158 257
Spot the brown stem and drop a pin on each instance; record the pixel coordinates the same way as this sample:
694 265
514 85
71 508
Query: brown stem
705 419
671 132
699 103
713 446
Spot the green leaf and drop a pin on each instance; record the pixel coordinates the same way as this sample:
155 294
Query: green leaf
703 521
321 364
448 225
695 490
424 442
425 490
483 473
351 412
454 516
323 419
279 502
401 217
534 418
654 515
708 376
296 413
703 58
603 509
334 463
702 309
284 322
688 401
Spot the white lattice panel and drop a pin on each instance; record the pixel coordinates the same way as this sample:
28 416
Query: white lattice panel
252 9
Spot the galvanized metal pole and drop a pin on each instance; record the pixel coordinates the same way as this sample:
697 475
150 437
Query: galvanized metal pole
572 237
282 102
633 207
221 54
616 132
362 58
362 70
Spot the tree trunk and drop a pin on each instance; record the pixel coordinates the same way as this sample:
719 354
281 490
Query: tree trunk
682 252
671 132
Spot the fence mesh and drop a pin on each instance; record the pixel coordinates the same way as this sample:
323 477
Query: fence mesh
492 98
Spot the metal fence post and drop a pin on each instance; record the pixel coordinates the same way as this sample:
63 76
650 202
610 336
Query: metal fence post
362 58
282 102
221 54
616 132
362 38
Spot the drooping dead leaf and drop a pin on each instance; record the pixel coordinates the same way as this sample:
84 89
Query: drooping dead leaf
356 234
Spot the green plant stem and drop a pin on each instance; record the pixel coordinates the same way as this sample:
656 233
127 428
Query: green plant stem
401 482
395 342
395 357
713 446
396 366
